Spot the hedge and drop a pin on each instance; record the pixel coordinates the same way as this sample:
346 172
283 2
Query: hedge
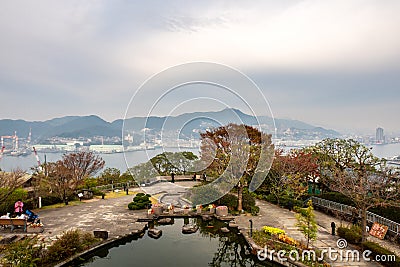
284 201
376 249
352 235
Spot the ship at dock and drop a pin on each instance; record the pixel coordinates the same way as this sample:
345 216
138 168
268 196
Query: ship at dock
394 160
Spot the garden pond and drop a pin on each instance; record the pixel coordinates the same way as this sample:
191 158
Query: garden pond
207 247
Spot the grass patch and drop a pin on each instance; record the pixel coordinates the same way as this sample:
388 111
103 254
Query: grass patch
61 205
118 194
115 194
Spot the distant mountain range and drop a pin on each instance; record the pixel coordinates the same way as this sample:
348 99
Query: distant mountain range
188 125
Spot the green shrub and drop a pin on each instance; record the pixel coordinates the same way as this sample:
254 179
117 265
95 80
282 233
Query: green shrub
271 199
97 192
376 249
248 201
229 200
352 235
254 210
261 238
140 201
8 204
391 213
50 200
284 201
23 253
70 243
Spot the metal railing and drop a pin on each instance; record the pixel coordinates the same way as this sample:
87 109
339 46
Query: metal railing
393 227
110 187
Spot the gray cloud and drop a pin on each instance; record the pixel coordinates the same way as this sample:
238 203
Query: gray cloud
330 63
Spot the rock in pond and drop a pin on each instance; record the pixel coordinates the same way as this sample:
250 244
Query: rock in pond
154 233
189 229
165 221
225 230
206 218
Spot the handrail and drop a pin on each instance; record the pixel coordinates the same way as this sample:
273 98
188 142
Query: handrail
113 186
393 227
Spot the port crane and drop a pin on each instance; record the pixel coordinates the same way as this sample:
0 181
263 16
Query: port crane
37 156
1 152
15 140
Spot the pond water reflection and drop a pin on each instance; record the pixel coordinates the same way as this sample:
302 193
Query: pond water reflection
207 247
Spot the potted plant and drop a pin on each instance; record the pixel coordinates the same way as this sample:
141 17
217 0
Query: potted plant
150 213
212 208
171 209
198 209
186 209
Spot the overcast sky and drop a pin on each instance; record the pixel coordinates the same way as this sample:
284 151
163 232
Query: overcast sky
334 64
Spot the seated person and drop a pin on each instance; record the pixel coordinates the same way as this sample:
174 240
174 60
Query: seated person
31 216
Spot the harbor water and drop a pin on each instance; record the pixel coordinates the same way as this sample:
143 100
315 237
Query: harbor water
117 160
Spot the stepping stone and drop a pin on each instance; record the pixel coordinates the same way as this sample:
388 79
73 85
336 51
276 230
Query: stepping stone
224 230
154 233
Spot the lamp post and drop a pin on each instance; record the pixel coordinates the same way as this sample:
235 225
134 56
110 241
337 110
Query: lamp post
251 227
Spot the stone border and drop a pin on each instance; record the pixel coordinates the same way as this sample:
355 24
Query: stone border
104 244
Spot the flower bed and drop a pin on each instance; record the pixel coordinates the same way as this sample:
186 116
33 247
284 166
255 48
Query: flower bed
272 230
276 239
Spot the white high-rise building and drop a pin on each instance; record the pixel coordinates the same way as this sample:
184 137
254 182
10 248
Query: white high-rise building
379 137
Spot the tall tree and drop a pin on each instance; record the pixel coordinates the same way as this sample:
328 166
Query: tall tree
290 173
307 223
143 172
160 163
296 168
59 180
65 175
82 164
109 175
178 162
348 167
240 154
182 161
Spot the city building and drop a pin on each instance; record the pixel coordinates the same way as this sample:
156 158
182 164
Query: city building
379 138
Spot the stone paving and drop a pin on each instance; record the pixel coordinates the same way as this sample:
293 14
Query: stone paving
110 215
275 216
171 193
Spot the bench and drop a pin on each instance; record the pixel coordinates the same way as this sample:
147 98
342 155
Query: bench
13 222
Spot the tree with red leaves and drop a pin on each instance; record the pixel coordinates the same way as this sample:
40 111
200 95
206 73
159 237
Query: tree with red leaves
240 154
65 175
290 173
